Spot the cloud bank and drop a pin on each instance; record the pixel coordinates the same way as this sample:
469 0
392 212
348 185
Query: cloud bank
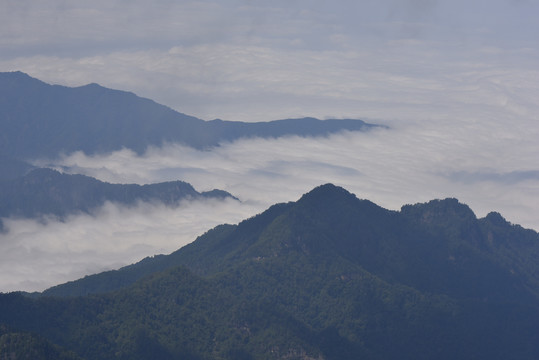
402 165
405 164
35 255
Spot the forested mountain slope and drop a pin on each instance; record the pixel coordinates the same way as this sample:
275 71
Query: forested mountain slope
329 276
17 345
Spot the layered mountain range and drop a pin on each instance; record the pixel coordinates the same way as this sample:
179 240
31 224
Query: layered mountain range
39 120
329 276
47 192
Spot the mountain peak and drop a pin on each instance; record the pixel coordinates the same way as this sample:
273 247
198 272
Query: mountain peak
329 200
18 78
497 219
17 73
327 192
439 211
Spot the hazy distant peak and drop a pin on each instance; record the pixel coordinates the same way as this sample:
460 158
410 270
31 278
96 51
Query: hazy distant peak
15 78
38 119
15 74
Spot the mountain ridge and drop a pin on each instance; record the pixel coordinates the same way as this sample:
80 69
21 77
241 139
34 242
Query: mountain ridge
329 276
38 119
383 233
45 191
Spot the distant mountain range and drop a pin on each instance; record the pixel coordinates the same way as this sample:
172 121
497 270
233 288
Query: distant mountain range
49 192
42 120
329 276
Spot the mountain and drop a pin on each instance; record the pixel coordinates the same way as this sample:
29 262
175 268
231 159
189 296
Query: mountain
49 192
42 120
329 276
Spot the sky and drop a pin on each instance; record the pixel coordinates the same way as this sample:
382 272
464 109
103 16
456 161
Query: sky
457 82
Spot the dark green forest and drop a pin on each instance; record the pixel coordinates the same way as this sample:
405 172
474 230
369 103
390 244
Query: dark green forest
25 346
329 276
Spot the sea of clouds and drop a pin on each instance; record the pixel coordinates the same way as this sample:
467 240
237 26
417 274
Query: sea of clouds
391 167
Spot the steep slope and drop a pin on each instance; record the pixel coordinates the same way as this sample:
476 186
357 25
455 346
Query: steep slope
38 119
49 192
329 276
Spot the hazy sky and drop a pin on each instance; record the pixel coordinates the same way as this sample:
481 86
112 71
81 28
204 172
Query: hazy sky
457 82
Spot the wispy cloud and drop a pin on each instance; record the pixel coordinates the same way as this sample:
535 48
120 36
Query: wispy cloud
508 178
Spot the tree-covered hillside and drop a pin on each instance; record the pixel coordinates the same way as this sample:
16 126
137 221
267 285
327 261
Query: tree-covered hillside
329 276
25 346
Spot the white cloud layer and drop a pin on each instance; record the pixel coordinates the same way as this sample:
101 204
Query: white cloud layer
457 81
406 164
35 255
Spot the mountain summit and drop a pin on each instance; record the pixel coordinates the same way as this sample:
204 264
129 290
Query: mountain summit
329 276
